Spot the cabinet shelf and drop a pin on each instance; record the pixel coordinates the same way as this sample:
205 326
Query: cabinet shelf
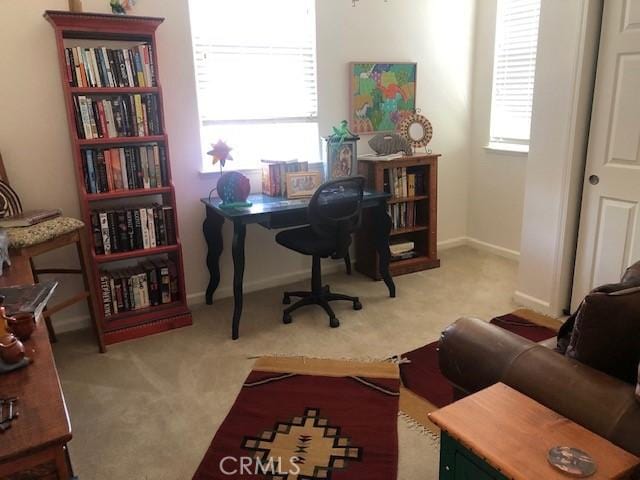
416 198
138 192
142 252
112 90
84 142
401 231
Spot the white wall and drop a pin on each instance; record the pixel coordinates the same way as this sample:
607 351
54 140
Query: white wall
565 72
34 134
496 179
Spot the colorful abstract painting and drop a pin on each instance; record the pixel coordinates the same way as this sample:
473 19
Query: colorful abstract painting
382 95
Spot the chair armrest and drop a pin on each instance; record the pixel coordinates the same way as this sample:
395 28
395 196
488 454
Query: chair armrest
474 354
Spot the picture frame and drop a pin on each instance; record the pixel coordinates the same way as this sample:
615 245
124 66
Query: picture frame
341 157
381 95
303 184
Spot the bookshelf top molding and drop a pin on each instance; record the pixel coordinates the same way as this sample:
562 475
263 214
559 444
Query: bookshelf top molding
101 25
406 158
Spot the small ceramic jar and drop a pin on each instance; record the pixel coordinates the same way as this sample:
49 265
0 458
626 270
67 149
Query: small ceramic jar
22 326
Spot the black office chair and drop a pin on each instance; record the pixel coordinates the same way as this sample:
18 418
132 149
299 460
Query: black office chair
335 211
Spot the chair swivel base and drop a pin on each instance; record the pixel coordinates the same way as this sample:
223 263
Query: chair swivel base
322 298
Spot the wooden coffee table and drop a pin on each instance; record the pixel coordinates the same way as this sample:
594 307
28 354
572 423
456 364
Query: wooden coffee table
499 433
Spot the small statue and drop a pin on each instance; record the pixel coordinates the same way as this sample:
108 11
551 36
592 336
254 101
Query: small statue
390 143
4 249
120 7
342 133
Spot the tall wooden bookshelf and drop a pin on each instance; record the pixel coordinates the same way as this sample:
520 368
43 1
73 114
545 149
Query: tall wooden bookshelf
120 31
414 212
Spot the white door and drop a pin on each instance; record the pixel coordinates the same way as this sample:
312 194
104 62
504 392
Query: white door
609 238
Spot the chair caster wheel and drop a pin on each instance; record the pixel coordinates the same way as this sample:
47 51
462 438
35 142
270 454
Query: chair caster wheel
357 305
334 322
286 318
286 300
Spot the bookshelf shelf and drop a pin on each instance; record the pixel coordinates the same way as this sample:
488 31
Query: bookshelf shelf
415 198
128 109
412 182
120 140
112 90
145 252
139 192
401 231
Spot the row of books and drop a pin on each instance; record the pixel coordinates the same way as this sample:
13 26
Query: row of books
152 282
403 214
274 175
110 67
125 168
403 182
128 229
134 115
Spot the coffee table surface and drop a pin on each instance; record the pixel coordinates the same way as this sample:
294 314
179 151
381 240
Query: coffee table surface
514 433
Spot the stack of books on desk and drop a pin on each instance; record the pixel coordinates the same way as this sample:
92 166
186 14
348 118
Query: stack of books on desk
274 175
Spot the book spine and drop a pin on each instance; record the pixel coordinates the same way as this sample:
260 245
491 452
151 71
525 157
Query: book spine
170 226
113 231
165 283
164 171
130 230
144 223
162 231
104 230
152 228
123 169
137 225
114 298
156 162
123 232
106 294
109 167
152 167
144 162
91 170
96 233
84 112
173 281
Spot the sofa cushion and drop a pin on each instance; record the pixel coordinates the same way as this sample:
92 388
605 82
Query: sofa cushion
606 334
630 278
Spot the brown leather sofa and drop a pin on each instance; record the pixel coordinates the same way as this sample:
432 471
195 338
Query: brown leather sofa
474 354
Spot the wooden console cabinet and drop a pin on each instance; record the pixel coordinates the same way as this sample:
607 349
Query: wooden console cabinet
416 208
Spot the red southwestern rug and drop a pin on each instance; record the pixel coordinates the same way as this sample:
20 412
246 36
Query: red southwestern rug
425 389
309 419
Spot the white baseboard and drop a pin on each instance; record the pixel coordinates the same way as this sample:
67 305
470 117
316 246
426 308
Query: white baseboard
197 298
533 303
491 248
453 243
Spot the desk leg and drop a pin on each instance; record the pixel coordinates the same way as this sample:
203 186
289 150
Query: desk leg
212 229
382 230
237 250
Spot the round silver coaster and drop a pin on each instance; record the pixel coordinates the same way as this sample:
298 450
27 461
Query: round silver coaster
572 461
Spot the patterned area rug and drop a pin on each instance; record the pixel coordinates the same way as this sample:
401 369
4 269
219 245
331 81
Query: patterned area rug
424 388
309 419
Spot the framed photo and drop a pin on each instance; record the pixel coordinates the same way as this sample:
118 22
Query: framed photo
381 96
302 184
341 158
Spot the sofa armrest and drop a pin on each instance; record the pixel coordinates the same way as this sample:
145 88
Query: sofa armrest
474 354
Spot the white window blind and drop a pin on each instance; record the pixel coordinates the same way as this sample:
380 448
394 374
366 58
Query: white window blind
255 65
517 24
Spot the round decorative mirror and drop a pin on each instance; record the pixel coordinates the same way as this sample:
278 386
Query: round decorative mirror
417 130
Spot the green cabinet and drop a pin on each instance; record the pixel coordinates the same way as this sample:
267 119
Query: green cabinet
458 463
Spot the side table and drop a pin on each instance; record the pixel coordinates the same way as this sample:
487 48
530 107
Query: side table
499 433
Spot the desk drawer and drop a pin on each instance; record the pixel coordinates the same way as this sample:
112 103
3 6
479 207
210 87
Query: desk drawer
286 220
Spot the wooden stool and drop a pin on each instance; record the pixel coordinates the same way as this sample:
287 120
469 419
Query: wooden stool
44 237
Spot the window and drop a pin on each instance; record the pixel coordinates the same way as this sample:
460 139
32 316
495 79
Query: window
513 73
255 63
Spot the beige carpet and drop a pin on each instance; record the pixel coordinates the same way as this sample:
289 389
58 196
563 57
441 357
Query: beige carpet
148 408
